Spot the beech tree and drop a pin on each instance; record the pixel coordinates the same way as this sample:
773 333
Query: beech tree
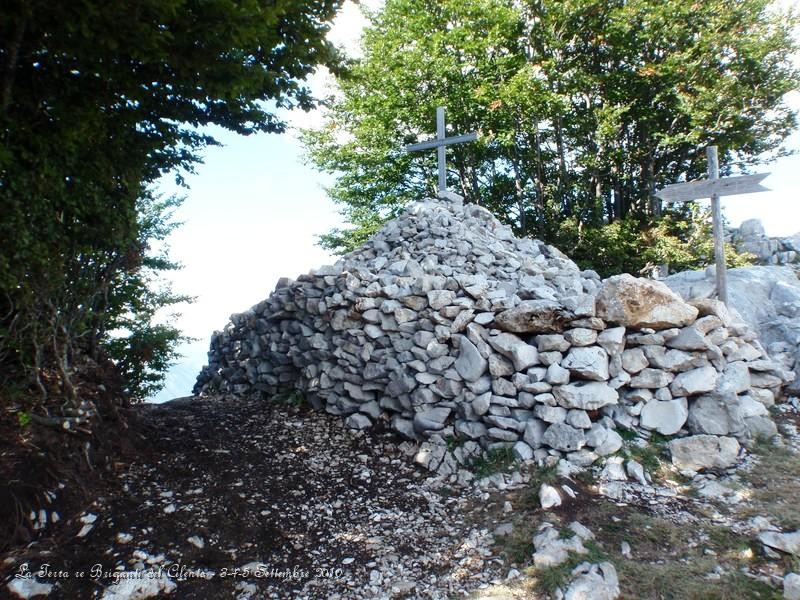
97 100
584 107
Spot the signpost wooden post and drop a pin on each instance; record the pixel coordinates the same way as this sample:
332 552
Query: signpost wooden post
713 188
440 142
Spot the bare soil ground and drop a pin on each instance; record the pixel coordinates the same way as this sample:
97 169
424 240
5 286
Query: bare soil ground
251 499
238 498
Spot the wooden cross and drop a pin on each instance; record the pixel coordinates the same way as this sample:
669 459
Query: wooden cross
713 188
439 143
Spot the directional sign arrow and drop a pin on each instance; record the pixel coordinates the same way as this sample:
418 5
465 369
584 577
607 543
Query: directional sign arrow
729 186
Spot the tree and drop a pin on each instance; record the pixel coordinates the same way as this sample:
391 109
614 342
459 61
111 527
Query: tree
585 107
97 100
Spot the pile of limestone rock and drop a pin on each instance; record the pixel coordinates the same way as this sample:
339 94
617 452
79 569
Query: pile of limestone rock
445 325
751 237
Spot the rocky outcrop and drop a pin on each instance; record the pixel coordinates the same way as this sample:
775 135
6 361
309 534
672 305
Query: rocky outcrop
765 298
445 325
751 237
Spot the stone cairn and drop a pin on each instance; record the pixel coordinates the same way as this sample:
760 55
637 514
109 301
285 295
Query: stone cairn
445 325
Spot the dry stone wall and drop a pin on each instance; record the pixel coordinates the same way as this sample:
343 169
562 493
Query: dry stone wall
445 325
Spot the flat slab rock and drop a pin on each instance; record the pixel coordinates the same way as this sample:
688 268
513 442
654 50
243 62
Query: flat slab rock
699 452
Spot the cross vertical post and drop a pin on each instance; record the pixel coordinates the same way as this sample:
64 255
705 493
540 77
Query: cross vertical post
716 224
440 142
440 151
713 188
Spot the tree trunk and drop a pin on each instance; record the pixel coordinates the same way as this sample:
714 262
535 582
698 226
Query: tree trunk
562 166
519 190
650 175
11 65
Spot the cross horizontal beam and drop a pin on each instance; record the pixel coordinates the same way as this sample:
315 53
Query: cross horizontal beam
729 186
440 142
436 143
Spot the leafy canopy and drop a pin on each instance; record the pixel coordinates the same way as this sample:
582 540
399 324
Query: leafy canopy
584 108
97 100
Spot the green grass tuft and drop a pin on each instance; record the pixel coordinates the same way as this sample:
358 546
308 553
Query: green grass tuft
493 461
549 579
291 398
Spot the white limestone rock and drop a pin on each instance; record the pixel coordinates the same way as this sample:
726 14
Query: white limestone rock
665 417
593 582
612 340
588 363
566 438
634 360
611 444
549 496
785 542
522 354
696 381
716 415
791 586
29 588
585 396
699 452
652 379
470 365
636 303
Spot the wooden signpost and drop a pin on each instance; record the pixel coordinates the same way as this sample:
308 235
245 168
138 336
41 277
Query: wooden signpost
713 188
440 142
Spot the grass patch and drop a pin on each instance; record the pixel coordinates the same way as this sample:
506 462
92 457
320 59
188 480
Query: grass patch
650 455
291 398
586 477
493 461
669 560
454 442
687 581
627 434
517 547
775 481
549 579
543 475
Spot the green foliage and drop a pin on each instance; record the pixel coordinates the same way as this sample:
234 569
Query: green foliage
292 398
681 240
649 454
134 336
538 477
493 461
23 419
454 442
584 110
98 100
549 579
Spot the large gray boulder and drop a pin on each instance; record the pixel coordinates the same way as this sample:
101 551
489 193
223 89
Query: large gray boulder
666 417
716 415
636 302
700 452
470 364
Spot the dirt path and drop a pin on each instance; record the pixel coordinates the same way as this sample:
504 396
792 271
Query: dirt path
309 508
236 498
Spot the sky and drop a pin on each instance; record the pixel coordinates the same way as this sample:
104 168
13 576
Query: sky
253 210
